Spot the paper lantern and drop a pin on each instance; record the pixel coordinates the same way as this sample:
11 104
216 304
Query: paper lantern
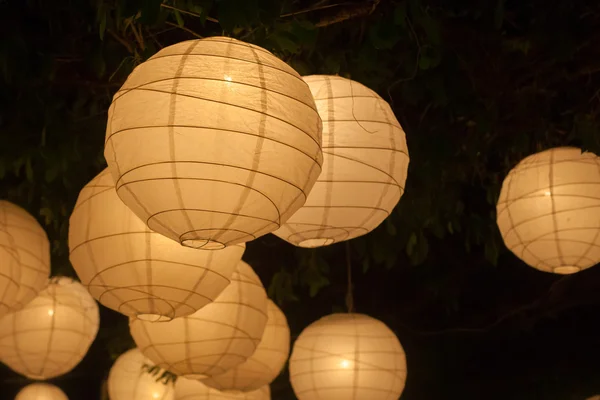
31 244
549 210
135 271
266 362
213 142
188 389
365 164
347 356
41 391
218 337
10 270
129 379
52 333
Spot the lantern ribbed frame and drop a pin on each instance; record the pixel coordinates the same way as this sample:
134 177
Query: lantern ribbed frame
265 364
188 389
10 270
51 334
365 165
218 337
213 142
129 379
548 211
30 242
41 391
135 271
347 356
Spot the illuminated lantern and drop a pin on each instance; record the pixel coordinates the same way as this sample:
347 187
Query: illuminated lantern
130 379
266 362
218 337
549 210
41 391
135 271
52 333
188 389
10 272
28 239
213 142
365 164
347 356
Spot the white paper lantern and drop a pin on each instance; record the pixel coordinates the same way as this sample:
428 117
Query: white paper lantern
10 270
52 333
129 379
218 337
33 249
213 142
266 362
188 389
135 271
549 210
364 167
41 391
347 356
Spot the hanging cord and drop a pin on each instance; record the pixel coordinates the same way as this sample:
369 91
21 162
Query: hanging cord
349 295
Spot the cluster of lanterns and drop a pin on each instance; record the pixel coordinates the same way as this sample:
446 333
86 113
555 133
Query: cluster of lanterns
213 143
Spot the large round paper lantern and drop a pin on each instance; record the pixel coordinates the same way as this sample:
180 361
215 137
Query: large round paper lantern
135 271
266 362
10 271
347 356
188 389
52 333
41 391
213 142
129 379
365 164
215 338
549 210
31 244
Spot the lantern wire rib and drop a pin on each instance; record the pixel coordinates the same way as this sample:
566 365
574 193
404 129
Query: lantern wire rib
349 294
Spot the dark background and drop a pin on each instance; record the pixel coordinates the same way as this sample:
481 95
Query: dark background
476 84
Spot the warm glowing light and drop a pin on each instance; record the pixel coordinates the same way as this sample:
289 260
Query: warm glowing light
547 193
156 395
50 312
345 364
227 78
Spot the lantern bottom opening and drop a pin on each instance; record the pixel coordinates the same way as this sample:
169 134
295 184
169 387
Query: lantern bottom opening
153 317
204 244
566 270
316 242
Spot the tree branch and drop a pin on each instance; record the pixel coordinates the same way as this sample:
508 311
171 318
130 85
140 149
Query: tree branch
191 32
189 13
120 40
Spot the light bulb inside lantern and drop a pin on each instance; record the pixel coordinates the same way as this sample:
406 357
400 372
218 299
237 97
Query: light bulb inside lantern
547 193
227 78
344 363
50 312
156 395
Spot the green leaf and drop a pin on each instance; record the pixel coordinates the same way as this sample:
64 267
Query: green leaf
179 18
150 11
317 285
102 24
286 44
400 15
491 252
410 245
366 264
390 228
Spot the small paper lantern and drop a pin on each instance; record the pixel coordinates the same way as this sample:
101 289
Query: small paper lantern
33 249
365 164
347 356
218 337
549 210
129 379
188 389
266 362
135 271
213 142
52 333
41 391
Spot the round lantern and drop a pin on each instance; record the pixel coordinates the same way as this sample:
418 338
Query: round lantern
347 356
135 271
31 244
41 391
10 271
365 164
188 389
266 362
52 333
218 337
549 210
130 379
213 142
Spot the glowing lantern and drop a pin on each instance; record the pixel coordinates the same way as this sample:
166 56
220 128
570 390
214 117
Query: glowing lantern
129 379
41 391
215 338
364 167
135 271
10 271
347 356
213 142
549 210
52 333
266 362
187 389
28 239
